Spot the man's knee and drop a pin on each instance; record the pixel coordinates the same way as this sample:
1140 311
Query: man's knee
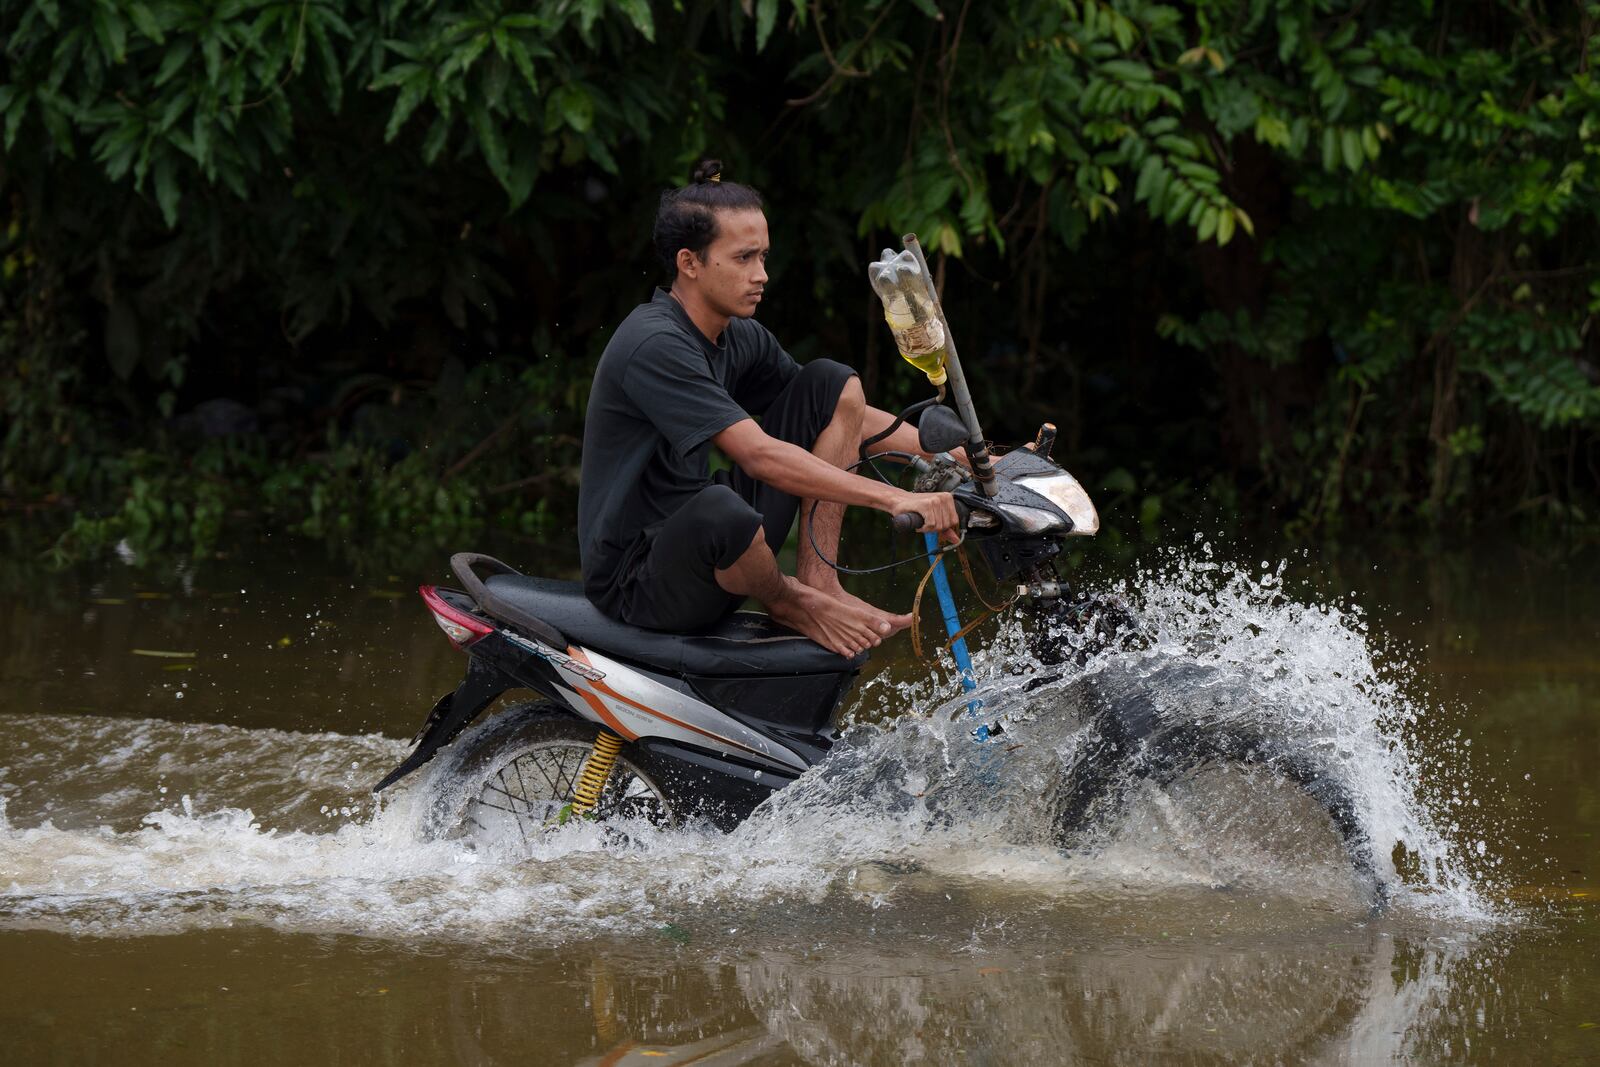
835 390
852 398
731 524
829 378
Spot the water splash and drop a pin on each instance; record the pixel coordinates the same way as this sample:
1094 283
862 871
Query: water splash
268 826
1222 650
1308 673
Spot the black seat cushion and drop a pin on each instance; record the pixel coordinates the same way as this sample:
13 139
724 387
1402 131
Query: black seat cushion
745 643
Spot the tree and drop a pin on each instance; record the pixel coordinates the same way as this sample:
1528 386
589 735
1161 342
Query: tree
1375 225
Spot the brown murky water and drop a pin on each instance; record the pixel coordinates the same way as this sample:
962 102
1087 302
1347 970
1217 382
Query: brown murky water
191 869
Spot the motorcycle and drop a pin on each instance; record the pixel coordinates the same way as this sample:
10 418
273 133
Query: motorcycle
638 724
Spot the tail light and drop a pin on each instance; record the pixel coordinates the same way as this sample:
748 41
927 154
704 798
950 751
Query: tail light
461 628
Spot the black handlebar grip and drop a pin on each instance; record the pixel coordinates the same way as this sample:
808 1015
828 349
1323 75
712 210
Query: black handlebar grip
908 522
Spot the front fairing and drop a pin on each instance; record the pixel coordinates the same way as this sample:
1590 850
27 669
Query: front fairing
1035 498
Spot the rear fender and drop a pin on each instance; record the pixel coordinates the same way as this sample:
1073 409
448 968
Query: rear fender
454 712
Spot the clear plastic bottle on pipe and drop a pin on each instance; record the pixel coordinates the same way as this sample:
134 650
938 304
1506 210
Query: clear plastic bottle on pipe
918 334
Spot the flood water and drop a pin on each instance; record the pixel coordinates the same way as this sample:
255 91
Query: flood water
193 870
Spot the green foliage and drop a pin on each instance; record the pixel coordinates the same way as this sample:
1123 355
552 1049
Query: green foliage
1340 257
352 492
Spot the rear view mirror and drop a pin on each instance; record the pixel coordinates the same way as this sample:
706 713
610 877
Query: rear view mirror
940 430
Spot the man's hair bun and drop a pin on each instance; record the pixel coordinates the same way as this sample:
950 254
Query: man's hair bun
708 170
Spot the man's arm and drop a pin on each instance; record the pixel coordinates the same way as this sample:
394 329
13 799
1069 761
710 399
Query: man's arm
902 440
794 470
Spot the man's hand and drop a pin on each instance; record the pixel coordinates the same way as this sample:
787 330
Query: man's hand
938 511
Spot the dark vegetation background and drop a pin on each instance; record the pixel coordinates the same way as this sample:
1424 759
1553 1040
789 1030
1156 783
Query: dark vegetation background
343 268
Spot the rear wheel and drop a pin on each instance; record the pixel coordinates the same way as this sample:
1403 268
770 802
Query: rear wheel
516 775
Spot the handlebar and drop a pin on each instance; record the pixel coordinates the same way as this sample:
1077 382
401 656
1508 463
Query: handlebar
909 522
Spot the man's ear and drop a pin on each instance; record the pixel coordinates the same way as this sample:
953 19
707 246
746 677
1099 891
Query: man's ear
689 264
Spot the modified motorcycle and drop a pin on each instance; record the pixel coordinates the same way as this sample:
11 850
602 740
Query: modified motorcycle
628 723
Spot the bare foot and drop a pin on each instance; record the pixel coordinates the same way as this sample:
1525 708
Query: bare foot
828 583
896 623
847 629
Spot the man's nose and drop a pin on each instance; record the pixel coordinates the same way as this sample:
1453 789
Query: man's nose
761 273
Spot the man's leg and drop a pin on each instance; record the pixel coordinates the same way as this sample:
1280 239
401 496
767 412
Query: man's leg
843 628
710 554
837 444
674 587
821 411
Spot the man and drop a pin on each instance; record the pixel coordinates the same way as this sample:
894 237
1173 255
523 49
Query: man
666 546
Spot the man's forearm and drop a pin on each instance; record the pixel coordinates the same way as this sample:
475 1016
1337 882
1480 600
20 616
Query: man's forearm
794 470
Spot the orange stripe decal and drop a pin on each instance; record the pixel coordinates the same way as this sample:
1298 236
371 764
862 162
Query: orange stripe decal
609 719
578 654
597 704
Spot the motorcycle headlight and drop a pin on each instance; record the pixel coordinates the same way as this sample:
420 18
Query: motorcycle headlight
1063 490
1034 520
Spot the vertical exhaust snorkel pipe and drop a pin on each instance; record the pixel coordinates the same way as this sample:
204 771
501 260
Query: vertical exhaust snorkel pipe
977 448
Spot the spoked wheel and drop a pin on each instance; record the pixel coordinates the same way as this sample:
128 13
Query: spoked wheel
517 775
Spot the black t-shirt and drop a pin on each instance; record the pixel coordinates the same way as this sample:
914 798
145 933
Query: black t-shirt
662 391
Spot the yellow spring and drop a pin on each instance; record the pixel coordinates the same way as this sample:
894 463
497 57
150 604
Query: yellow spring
596 769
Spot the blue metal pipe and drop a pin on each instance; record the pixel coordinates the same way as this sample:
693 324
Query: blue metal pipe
952 622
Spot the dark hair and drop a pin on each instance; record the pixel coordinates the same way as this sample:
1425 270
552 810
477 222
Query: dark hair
687 217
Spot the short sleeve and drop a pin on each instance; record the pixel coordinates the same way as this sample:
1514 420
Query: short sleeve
766 371
672 384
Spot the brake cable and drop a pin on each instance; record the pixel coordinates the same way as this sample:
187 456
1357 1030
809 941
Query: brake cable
936 557
899 420
811 517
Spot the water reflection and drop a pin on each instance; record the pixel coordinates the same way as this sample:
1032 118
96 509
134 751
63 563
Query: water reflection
1305 1002
1350 996
1363 996
732 1049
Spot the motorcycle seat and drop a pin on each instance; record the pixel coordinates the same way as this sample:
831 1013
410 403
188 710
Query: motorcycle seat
745 643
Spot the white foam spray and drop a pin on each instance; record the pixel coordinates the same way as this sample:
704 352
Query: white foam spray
272 827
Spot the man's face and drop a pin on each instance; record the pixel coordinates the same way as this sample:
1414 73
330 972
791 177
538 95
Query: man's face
734 272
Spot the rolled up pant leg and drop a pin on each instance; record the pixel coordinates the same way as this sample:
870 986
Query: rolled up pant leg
675 588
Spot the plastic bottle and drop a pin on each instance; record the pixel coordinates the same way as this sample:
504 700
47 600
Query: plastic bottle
918 333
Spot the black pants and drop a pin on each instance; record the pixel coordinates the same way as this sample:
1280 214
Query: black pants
674 586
